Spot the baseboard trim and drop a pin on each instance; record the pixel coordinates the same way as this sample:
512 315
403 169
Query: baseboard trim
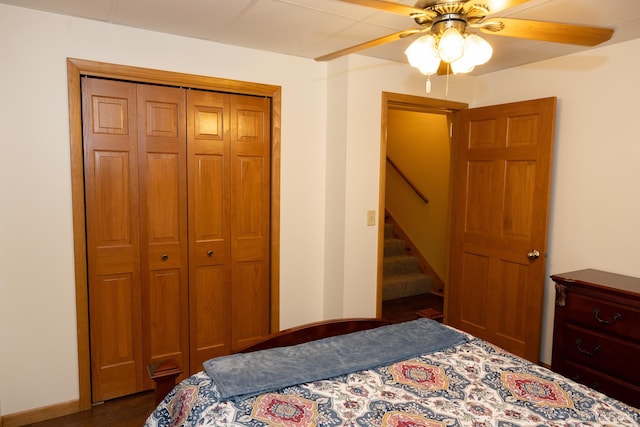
40 414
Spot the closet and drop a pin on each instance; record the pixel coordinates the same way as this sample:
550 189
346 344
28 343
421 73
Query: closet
177 197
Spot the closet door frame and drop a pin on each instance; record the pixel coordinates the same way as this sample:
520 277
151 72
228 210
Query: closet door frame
77 68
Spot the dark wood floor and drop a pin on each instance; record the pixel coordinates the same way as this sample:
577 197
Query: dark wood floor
132 411
404 309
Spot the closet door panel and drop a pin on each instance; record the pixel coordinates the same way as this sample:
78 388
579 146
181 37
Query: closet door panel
250 183
164 285
249 325
209 222
163 224
209 209
164 216
249 229
210 312
113 316
111 197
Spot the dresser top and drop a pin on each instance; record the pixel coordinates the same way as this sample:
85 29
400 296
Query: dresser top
600 278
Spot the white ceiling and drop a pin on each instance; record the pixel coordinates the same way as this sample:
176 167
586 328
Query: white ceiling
311 28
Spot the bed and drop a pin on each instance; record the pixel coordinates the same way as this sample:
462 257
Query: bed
411 374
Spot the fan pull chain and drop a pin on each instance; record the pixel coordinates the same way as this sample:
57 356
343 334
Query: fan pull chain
446 90
428 86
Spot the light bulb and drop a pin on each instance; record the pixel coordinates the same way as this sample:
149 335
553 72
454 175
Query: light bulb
451 45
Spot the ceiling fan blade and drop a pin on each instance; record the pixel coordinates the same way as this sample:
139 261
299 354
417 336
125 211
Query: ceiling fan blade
494 6
368 44
393 7
547 31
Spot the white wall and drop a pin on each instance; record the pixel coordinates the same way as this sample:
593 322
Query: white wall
595 198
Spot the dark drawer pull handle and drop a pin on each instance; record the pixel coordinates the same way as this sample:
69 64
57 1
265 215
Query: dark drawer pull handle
209 253
616 317
595 351
164 257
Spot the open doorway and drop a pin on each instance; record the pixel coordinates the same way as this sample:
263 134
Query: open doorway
416 159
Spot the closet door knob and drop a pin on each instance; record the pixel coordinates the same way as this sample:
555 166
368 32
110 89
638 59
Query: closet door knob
164 257
209 253
533 254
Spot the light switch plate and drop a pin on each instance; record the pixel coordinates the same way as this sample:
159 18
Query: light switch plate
371 218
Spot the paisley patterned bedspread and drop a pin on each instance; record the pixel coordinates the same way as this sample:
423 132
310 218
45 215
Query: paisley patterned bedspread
472 384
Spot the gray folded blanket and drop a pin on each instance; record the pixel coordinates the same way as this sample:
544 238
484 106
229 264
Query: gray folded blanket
239 376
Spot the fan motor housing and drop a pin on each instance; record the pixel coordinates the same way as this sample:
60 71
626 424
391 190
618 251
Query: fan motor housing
444 10
449 20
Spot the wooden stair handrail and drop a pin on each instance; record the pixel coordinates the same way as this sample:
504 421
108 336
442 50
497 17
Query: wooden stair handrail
409 183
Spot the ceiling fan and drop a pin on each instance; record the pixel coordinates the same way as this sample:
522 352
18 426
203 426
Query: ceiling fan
437 19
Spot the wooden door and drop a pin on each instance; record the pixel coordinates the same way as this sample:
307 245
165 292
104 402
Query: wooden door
113 241
502 159
135 186
209 226
250 182
163 225
178 219
229 182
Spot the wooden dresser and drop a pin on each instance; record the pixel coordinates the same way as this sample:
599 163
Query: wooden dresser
596 337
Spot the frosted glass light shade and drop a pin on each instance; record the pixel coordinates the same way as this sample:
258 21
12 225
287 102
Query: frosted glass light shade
430 67
462 65
477 49
451 45
422 52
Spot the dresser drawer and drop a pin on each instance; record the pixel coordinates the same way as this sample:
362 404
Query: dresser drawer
601 352
602 315
613 387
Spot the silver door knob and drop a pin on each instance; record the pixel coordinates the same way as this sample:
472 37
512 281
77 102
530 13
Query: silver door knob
533 254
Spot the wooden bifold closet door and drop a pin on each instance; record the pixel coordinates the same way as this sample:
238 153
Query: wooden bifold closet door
177 216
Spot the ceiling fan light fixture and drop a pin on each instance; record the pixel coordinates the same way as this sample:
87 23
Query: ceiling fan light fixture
451 45
444 26
468 50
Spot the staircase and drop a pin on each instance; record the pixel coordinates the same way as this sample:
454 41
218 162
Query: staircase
401 275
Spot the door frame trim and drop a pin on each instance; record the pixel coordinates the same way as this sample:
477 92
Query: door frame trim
77 68
397 101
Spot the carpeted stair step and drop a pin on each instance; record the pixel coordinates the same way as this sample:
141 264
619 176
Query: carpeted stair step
388 230
393 246
404 285
401 274
399 264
